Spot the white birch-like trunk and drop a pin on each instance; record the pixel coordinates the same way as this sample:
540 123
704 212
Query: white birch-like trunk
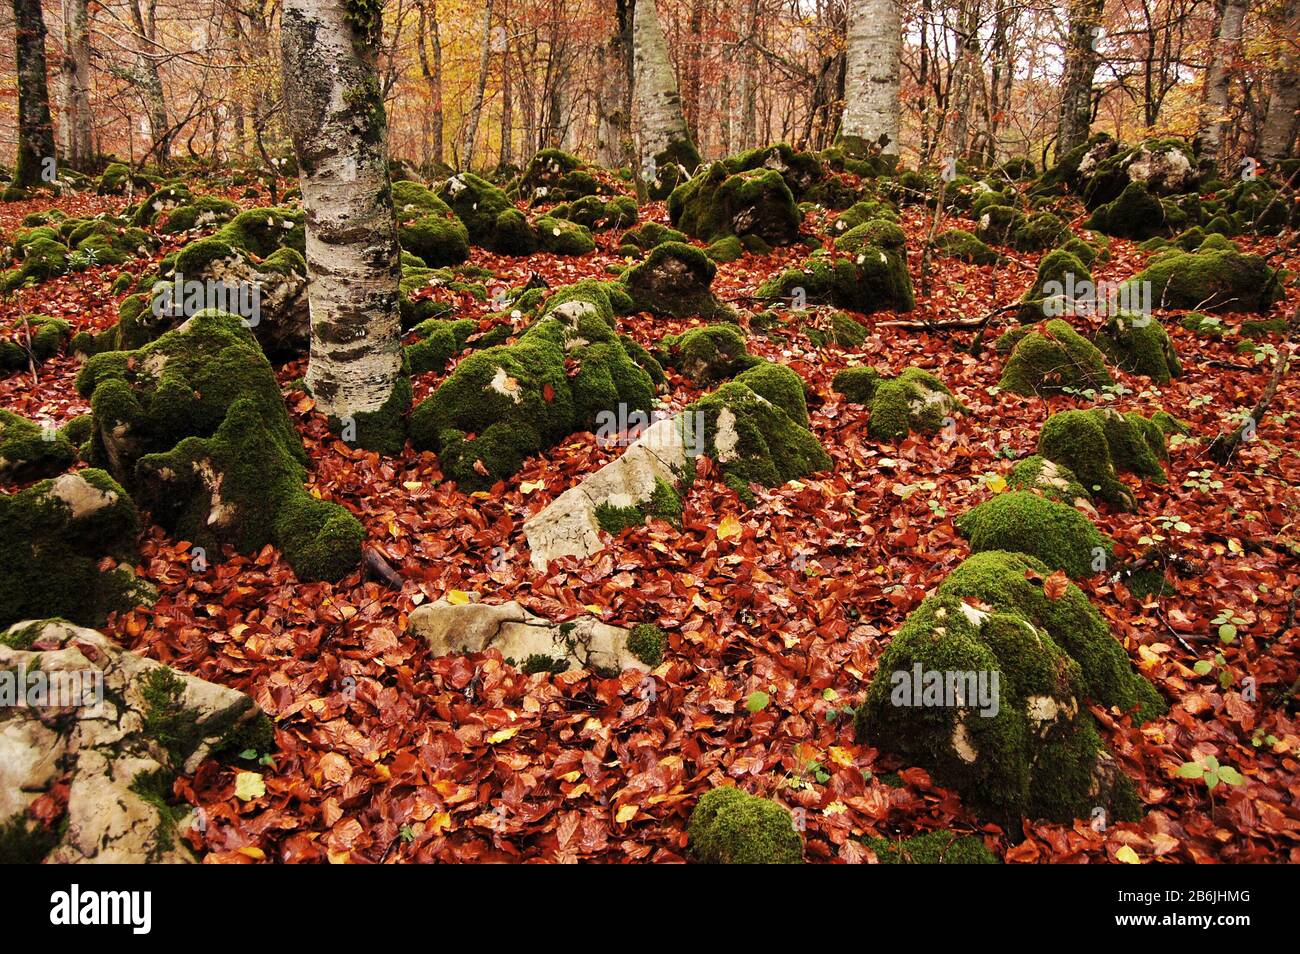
660 126
1218 80
476 106
1277 137
78 126
335 113
871 73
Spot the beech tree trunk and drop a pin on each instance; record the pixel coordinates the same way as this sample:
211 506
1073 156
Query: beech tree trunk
1218 82
663 142
35 128
78 124
871 80
1075 117
476 105
1277 137
431 70
336 117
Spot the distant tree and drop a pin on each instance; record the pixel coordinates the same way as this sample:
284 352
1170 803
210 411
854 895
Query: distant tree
871 76
1075 117
1218 82
663 142
1278 135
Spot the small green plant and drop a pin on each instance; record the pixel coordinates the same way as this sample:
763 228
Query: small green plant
1227 623
1211 772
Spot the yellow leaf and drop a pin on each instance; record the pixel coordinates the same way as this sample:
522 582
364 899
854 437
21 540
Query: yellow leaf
439 822
339 857
253 852
835 808
593 609
997 483
248 786
571 776
528 486
1128 856
412 484
729 527
457 597
625 813
840 756
502 735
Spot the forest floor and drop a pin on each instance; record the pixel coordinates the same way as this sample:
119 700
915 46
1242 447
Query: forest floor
466 759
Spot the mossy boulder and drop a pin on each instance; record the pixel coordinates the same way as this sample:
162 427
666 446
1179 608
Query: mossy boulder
995 223
984 686
717 203
37 259
1021 521
490 217
36 339
503 403
117 176
200 213
1139 344
731 827
914 401
670 167
674 281
1052 359
708 354
439 340
940 847
1062 286
562 237
874 279
1050 479
59 542
1098 444
598 214
648 235
1213 280
880 233
1161 167
1134 214
29 450
1259 207
161 201
966 247
726 249
553 175
861 212
195 425
1035 232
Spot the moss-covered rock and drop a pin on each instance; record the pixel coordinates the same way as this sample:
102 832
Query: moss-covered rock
1140 344
1062 285
553 175
29 451
1050 479
598 214
984 686
996 223
726 249
1099 443
1036 232
708 354
201 213
36 339
54 538
648 235
504 403
1135 214
880 233
1161 167
1051 359
194 423
940 847
915 400
438 238
1023 522
717 203
161 201
874 279
439 341
1214 280
965 246
38 258
732 827
116 177
675 281
490 217
562 237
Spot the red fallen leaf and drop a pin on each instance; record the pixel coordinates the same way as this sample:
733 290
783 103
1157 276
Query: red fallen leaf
1054 586
548 392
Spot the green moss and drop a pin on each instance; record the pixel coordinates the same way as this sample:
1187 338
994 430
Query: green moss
598 214
1215 280
647 643
880 233
439 341
1057 534
1052 360
24 841
1255 329
847 331
538 662
1038 231
722 201
1134 214
873 280
489 216
1054 481
437 239
1140 344
1098 443
561 237
646 236
963 245
708 354
730 826
383 429
858 385
915 400
41 259
155 789
29 451
940 847
49 556
37 338
726 249
779 385
674 281
204 211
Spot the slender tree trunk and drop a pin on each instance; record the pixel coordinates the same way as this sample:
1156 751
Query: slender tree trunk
695 54
1075 117
78 125
35 128
665 145
431 70
1277 138
1218 82
748 85
871 77
336 116
476 104
150 80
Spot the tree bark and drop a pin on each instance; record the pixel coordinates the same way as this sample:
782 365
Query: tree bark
78 123
1277 137
1218 82
871 79
1075 117
336 118
35 128
431 70
662 138
476 104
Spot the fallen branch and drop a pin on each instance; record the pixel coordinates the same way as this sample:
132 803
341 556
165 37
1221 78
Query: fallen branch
379 569
1224 446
